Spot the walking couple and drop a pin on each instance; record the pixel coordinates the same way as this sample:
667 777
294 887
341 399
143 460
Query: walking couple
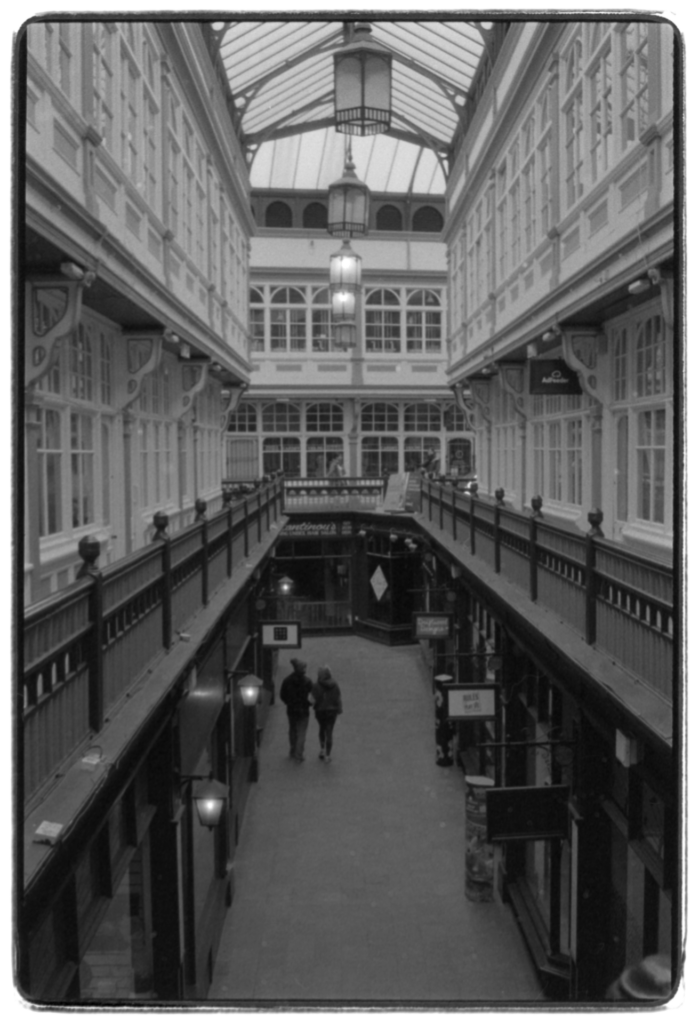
299 694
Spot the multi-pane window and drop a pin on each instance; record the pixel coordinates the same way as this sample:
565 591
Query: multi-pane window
573 129
50 453
557 448
416 449
528 183
601 115
501 215
651 465
379 455
634 81
515 211
82 458
641 404
103 82
257 320
382 314
281 453
288 320
65 56
424 321
422 416
281 417
320 320
105 370
504 436
81 364
244 419
320 453
322 417
379 416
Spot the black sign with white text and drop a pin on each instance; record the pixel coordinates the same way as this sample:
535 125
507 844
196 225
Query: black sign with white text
552 377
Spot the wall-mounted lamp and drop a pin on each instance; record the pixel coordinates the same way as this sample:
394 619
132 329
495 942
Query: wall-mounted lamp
643 284
210 797
285 586
552 333
249 687
393 537
72 271
361 533
216 367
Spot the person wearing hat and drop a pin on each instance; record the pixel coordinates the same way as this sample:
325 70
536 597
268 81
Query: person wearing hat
649 980
295 691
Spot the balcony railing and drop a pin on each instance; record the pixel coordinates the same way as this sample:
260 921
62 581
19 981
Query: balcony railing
619 602
85 646
326 494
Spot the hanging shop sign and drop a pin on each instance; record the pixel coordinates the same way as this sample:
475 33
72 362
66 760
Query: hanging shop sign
306 528
379 583
281 634
552 377
432 626
527 812
475 702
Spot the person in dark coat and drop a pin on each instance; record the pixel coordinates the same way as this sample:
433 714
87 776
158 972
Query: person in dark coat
328 705
295 692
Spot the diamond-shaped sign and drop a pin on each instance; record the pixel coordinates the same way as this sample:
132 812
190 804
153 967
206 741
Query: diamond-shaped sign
379 583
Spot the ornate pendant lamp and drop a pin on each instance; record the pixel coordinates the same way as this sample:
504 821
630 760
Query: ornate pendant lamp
348 204
362 85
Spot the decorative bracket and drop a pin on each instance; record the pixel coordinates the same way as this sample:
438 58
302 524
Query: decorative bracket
512 381
194 378
52 311
465 404
230 398
143 355
666 284
581 346
480 392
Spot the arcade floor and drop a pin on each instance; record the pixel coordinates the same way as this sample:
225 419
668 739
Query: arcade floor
350 875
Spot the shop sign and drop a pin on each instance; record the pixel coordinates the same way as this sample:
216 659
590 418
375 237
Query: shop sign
527 812
427 626
320 529
475 702
281 634
379 583
552 377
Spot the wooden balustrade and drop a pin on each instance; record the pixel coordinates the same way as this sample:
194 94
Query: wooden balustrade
329 493
618 601
86 645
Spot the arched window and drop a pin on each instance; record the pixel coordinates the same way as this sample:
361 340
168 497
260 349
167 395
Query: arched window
257 320
380 416
454 419
423 416
278 215
244 419
288 320
389 218
322 417
315 215
424 321
382 321
427 218
320 320
281 417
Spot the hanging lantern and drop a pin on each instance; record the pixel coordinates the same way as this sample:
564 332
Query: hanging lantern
345 335
362 85
210 798
344 305
348 204
345 269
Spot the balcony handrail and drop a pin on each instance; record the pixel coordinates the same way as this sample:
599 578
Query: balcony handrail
633 614
70 637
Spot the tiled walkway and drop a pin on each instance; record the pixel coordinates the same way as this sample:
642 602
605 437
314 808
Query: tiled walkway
350 875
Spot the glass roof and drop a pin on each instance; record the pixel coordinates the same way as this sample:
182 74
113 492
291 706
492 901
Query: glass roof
281 79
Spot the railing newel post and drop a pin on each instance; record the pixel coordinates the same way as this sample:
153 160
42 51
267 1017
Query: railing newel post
160 522
89 551
536 504
594 518
246 543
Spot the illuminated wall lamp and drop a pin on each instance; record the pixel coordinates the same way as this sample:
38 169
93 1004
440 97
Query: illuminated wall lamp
250 687
210 797
552 333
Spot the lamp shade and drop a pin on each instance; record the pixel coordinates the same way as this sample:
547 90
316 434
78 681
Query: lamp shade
249 687
362 85
344 305
348 205
210 798
286 586
345 269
